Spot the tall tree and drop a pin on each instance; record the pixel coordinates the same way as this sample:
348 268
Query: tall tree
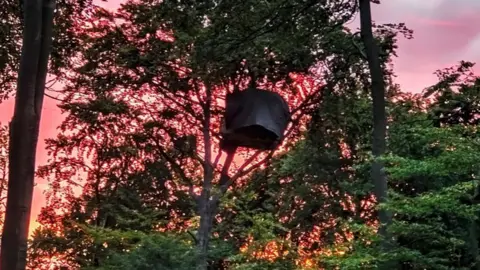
153 77
456 103
432 175
379 111
24 129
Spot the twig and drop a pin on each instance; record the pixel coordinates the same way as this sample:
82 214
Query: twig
52 97
217 159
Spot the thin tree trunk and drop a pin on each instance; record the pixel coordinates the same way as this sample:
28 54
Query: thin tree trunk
207 213
473 243
473 233
379 114
24 129
205 205
208 209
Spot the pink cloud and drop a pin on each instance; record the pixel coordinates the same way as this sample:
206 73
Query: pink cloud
434 22
444 31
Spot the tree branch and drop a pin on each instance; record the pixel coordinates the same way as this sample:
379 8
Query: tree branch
52 97
228 181
178 169
207 166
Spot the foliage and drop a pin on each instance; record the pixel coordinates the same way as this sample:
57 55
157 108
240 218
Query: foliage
432 174
69 17
145 103
153 251
433 182
10 35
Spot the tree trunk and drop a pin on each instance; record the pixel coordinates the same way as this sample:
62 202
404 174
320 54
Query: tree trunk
24 129
473 244
207 213
473 233
207 206
204 202
379 114
207 210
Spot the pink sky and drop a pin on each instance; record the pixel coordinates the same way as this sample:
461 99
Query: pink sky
444 33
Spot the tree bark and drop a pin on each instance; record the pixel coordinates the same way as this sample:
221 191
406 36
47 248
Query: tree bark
379 114
207 213
473 229
473 244
24 129
208 208
204 202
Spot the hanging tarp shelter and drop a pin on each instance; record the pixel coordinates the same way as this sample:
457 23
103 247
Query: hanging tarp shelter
254 118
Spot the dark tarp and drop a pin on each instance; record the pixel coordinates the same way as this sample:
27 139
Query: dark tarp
254 118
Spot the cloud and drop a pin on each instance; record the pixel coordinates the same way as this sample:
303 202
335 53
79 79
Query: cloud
441 23
471 50
415 5
445 32
456 8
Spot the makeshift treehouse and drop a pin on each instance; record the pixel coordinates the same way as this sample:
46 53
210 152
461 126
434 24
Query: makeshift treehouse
254 118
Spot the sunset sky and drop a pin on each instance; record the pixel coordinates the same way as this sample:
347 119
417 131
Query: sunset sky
444 33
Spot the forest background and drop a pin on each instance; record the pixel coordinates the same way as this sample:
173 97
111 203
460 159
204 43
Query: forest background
444 34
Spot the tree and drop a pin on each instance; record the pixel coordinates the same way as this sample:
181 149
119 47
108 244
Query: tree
148 90
379 113
433 171
456 104
24 128
236 226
